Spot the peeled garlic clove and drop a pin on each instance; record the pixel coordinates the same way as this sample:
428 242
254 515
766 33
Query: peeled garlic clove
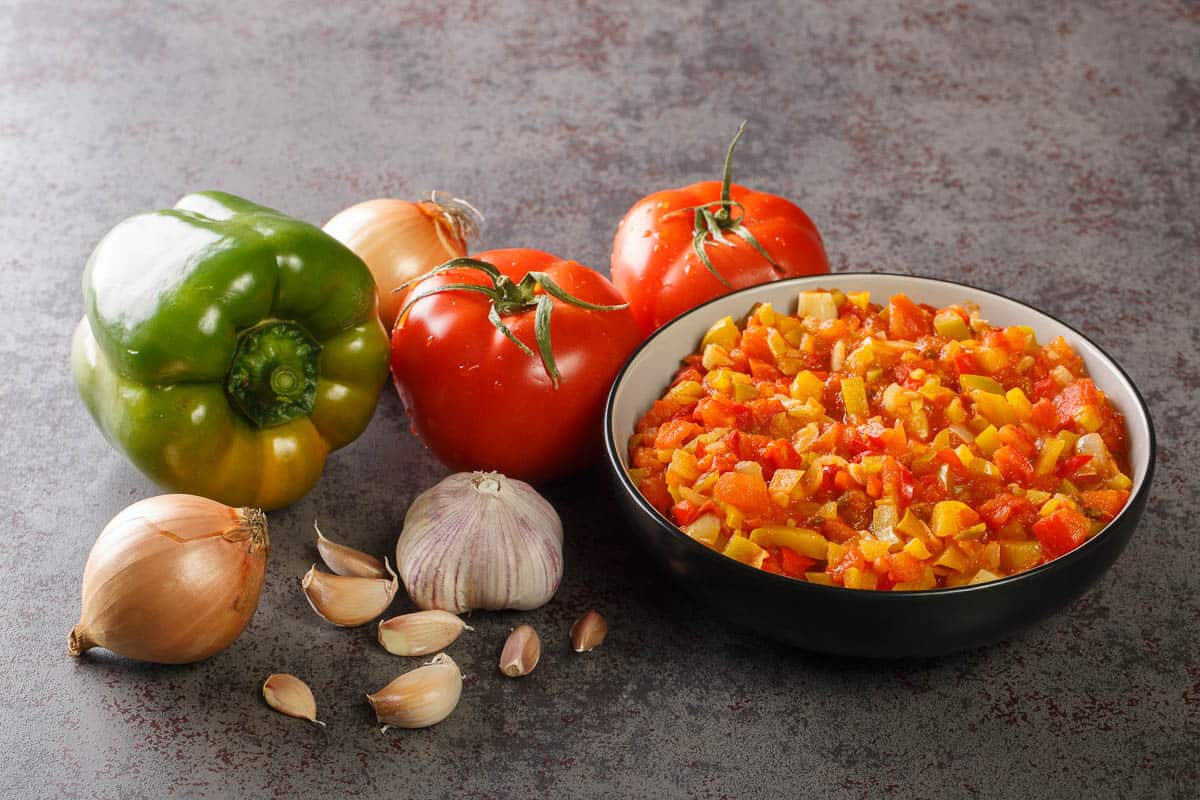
480 540
420 633
521 652
348 601
345 560
420 698
588 632
289 695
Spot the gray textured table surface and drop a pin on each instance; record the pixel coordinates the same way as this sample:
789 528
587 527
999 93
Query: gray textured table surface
1048 151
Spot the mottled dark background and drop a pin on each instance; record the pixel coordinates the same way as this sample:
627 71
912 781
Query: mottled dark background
1045 150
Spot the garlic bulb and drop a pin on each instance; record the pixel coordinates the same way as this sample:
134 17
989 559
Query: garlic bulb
480 540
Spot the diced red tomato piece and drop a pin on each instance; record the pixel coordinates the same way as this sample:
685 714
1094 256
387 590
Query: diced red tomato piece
747 492
1072 399
1107 502
1061 532
965 363
1069 466
654 489
1012 465
685 512
1017 439
907 320
904 567
795 564
1045 415
1005 508
675 433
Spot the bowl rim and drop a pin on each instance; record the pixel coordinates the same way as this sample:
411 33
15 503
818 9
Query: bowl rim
1056 565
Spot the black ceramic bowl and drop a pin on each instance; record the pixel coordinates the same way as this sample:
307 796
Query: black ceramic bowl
849 621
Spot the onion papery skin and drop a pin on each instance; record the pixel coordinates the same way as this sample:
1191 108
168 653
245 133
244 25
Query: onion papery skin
172 579
401 240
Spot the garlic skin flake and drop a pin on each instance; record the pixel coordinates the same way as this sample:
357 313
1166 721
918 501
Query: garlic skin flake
289 695
420 698
480 540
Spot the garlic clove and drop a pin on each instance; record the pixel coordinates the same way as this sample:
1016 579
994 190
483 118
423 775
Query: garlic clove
588 632
289 695
345 560
420 633
348 601
420 698
521 652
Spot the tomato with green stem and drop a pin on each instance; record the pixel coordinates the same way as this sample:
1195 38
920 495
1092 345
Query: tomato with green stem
503 361
678 248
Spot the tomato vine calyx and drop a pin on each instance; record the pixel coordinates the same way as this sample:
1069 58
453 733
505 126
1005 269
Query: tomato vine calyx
512 297
711 226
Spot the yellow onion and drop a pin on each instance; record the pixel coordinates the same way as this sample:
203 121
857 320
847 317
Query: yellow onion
172 579
400 240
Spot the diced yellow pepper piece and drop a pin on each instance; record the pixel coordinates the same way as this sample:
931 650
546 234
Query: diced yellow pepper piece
834 552
973 532
992 359
1120 481
765 312
873 549
733 517
994 407
1037 496
854 578
704 529
686 391
912 525
1051 450
742 549
860 299
941 441
988 440
861 357
955 413
1088 418
965 455
946 519
928 580
720 380
1018 555
744 391
949 324
817 304
683 468
723 332
715 356
953 558
806 386
983 576
804 541
981 382
854 397
917 549
776 343
1019 403
1055 503
819 577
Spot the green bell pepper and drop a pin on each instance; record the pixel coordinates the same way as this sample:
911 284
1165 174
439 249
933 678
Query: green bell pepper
227 349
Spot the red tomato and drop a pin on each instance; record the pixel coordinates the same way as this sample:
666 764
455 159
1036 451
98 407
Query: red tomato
1061 532
655 258
476 398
